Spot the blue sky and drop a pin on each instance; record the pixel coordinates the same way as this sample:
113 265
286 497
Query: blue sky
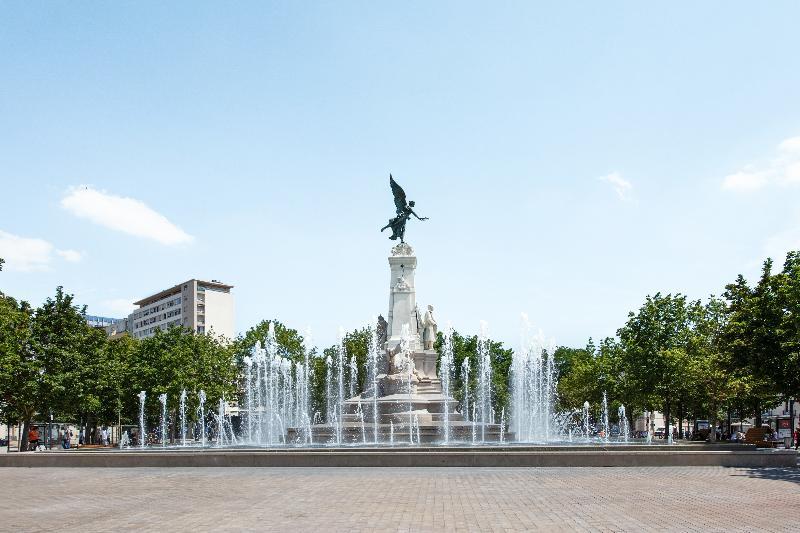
572 159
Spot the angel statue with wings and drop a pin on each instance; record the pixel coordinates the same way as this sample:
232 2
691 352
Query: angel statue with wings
404 212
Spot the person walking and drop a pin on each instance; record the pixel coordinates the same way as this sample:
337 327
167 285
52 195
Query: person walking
65 438
796 438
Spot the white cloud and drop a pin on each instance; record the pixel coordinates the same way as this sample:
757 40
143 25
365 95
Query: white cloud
790 145
792 173
782 169
621 186
70 255
120 213
24 254
28 254
746 180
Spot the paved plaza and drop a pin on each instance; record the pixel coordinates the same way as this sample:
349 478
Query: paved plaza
395 499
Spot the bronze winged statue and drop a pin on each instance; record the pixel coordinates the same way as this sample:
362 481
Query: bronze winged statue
404 212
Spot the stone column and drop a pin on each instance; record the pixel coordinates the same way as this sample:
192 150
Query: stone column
402 296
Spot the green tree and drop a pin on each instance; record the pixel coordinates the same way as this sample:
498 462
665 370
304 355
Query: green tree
178 359
466 348
654 342
291 345
708 363
19 368
65 347
786 372
752 338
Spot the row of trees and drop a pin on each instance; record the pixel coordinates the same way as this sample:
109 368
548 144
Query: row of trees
698 359
52 362
688 359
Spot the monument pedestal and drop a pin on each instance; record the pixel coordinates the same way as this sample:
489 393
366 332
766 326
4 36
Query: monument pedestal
409 406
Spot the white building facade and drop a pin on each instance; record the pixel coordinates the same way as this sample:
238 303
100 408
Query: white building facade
201 306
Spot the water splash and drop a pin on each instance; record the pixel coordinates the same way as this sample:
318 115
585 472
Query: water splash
585 420
182 410
201 397
484 386
445 371
142 434
163 399
624 428
533 388
604 418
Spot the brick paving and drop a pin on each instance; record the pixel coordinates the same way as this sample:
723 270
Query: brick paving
395 499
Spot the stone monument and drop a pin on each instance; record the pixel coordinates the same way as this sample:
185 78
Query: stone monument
406 402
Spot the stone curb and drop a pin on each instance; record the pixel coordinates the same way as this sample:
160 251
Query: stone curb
398 458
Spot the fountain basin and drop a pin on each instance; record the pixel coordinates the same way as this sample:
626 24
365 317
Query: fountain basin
422 456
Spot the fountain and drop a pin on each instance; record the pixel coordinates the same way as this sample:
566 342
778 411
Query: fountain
163 399
183 417
586 420
201 396
484 389
624 429
407 387
142 434
446 370
533 389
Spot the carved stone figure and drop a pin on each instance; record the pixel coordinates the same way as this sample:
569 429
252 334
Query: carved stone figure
402 284
429 329
404 211
381 330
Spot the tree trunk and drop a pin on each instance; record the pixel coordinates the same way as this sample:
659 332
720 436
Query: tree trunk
758 415
23 438
712 424
680 420
729 422
666 418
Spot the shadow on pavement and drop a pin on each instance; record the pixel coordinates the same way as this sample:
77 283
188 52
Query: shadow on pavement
791 475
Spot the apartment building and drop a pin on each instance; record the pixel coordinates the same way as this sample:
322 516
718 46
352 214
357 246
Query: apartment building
201 306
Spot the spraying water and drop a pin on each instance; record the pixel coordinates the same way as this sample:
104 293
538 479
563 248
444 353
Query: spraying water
484 390
183 417
360 414
372 376
624 431
445 371
465 378
201 397
249 397
142 435
163 399
353 381
503 425
585 420
604 417
533 388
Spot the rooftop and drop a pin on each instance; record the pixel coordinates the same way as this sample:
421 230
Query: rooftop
177 289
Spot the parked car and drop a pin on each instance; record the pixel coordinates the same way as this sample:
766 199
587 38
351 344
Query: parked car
659 433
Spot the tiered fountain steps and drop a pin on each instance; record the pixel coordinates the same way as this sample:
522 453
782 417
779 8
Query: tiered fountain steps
428 433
